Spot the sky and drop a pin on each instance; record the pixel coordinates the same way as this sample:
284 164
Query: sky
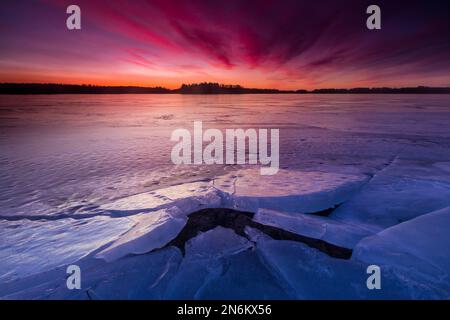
255 43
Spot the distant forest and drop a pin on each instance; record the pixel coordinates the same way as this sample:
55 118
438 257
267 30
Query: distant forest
196 88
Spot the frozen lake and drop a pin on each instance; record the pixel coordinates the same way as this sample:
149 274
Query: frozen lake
382 160
66 151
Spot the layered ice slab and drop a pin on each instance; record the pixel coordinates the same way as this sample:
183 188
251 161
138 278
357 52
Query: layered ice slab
292 191
248 190
151 231
30 247
202 261
186 197
404 190
419 246
132 250
219 264
309 274
143 276
332 231
244 190
146 222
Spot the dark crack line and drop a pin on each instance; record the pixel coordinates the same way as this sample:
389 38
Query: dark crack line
325 212
387 165
54 217
207 219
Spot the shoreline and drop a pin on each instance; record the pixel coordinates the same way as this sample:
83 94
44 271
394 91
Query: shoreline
198 89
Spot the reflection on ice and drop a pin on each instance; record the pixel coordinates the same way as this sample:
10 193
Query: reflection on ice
103 194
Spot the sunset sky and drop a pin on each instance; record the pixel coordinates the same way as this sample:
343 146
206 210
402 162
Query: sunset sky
265 44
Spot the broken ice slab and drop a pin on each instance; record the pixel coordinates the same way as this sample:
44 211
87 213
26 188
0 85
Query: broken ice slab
295 191
420 245
244 277
403 191
311 274
204 260
332 231
187 197
50 243
135 277
30 247
152 231
215 243
247 190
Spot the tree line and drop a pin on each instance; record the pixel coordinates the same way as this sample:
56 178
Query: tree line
195 88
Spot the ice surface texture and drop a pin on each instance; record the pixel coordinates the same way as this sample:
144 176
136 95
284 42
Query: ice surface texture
124 254
88 180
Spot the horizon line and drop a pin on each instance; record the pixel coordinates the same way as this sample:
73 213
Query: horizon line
202 88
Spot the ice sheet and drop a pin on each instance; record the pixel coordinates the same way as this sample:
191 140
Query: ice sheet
187 197
205 260
404 190
152 231
31 247
311 274
84 157
288 190
418 246
330 230
136 277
